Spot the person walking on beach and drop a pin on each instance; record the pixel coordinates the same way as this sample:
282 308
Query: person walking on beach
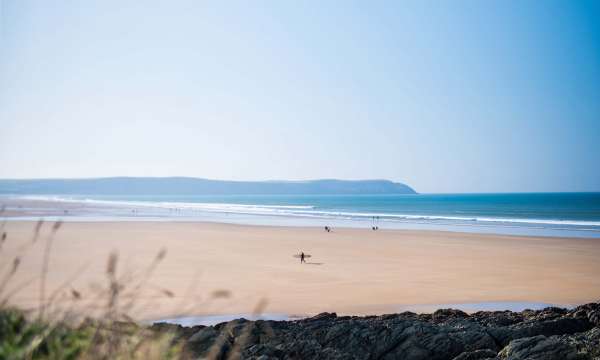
302 257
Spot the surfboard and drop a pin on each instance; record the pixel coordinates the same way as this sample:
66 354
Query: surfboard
306 256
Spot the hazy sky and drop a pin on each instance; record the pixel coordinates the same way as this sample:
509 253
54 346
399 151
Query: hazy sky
446 96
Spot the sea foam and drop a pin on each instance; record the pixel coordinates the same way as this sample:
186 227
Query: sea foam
309 211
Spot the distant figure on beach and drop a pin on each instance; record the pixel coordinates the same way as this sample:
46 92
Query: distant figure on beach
375 223
302 256
327 228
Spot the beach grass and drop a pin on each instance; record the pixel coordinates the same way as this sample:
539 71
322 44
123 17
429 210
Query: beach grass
52 331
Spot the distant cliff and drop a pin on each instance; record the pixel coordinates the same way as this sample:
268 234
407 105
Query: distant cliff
196 186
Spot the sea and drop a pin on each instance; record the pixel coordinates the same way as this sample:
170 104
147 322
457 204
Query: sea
535 214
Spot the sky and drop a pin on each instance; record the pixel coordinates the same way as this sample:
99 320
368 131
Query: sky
445 96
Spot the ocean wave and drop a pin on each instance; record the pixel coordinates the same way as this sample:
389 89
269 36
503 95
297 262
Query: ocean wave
169 204
309 211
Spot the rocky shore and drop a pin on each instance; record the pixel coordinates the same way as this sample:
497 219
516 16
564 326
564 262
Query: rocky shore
551 333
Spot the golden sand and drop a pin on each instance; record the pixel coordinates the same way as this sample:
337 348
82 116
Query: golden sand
351 271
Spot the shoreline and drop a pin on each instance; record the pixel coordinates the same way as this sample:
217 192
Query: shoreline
108 221
23 209
352 271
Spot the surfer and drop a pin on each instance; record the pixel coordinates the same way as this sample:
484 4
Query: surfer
302 257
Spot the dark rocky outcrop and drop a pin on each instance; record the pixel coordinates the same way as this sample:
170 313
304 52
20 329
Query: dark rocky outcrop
552 333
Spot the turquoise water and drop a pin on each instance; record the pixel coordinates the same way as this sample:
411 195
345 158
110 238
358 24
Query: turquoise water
578 214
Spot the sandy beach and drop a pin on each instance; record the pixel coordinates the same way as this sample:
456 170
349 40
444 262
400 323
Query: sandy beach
351 271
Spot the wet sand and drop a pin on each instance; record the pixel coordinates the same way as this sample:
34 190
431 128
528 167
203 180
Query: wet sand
351 271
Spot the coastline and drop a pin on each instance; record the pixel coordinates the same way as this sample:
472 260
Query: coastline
32 208
352 271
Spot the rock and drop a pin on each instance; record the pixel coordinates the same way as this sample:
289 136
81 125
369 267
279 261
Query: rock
586 343
551 333
556 326
203 335
179 332
497 318
538 325
591 312
323 316
166 327
477 355
445 314
539 348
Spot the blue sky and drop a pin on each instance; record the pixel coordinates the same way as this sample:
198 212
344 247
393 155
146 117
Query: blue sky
446 96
